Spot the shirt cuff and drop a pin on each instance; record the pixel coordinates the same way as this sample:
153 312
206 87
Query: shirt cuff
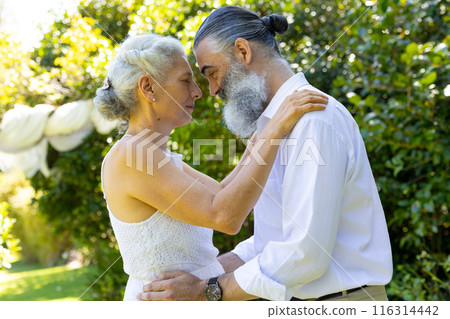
245 250
254 282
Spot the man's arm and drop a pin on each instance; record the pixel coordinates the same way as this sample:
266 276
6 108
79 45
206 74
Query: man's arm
230 262
231 289
313 183
181 285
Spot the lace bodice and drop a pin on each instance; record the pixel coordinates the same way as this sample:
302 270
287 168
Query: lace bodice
162 243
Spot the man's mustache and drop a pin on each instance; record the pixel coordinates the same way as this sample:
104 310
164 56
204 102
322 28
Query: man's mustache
222 94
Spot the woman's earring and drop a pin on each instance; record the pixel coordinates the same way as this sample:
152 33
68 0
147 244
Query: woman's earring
154 99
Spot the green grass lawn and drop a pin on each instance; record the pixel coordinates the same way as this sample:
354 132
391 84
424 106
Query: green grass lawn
32 282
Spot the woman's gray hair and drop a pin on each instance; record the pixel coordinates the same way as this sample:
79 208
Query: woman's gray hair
138 55
226 24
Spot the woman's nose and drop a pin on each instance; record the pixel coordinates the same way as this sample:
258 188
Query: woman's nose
197 92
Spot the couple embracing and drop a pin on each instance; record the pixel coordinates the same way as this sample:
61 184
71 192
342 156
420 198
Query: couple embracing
320 231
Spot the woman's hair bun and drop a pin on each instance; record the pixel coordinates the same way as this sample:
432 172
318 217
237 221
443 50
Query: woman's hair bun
109 105
276 23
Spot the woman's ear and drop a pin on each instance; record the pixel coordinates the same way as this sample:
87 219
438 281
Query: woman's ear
243 51
146 88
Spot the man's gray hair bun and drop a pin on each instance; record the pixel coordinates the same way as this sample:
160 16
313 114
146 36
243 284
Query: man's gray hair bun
275 23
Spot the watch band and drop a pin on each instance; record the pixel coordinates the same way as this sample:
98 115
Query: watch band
213 280
213 290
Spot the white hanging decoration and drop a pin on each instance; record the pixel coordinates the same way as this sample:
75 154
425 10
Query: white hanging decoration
23 126
68 118
68 142
69 125
26 131
102 125
28 161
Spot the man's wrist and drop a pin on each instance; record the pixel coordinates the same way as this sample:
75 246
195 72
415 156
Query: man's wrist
202 289
213 290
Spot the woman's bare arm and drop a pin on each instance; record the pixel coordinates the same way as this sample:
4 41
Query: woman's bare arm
214 185
186 198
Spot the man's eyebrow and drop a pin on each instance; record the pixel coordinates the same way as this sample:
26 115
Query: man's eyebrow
204 68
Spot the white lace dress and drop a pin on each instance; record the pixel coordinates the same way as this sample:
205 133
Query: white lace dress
162 243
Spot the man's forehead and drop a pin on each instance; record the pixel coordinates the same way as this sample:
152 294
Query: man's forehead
206 51
205 45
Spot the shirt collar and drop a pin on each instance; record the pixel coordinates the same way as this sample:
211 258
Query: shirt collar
296 81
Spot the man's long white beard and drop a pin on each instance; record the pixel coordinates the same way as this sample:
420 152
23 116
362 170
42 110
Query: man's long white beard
246 94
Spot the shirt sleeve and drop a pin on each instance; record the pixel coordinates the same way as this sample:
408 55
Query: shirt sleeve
245 250
312 190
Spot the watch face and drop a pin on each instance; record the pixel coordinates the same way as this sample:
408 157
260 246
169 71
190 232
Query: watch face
213 292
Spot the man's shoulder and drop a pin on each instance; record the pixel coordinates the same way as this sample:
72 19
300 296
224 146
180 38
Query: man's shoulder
335 110
335 120
326 116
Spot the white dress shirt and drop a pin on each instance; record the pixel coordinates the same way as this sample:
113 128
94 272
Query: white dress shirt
319 223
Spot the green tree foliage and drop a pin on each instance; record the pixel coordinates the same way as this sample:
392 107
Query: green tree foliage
39 243
112 17
8 244
73 56
15 73
397 97
388 63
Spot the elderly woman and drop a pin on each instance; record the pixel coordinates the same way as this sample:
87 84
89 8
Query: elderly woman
163 213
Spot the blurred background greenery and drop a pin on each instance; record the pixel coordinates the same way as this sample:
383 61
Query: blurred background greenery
388 62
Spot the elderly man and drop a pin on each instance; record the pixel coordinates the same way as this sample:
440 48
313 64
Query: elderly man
320 231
